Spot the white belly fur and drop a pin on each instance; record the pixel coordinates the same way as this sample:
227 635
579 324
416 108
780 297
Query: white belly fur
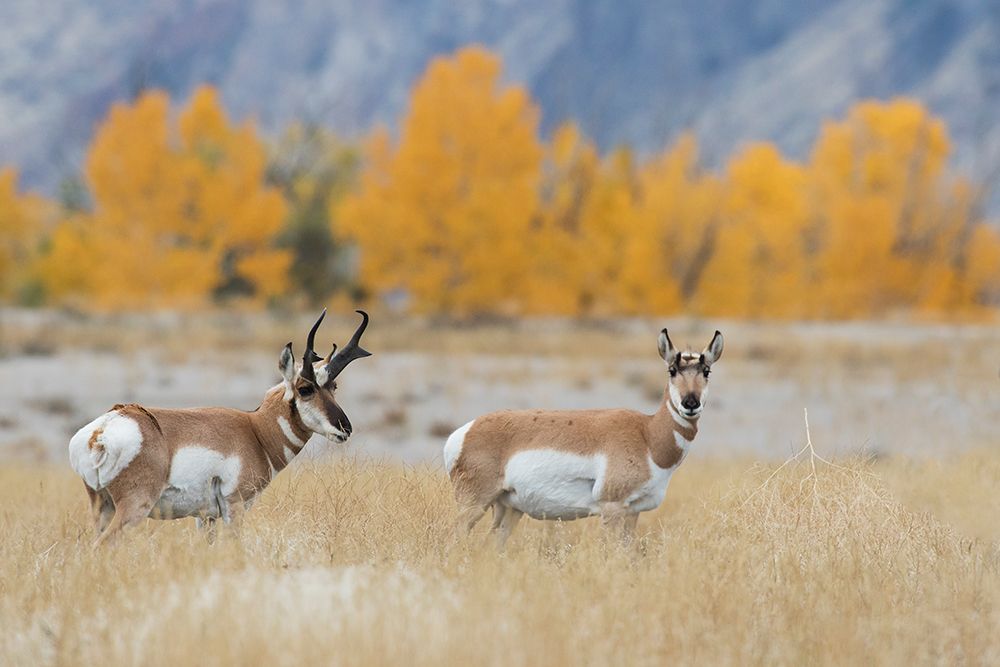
189 490
549 484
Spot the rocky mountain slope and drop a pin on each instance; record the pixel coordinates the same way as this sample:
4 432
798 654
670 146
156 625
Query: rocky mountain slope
628 72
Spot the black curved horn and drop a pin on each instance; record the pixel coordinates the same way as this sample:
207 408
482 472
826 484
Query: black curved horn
349 352
309 357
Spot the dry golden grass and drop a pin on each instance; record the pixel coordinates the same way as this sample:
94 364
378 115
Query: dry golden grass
355 563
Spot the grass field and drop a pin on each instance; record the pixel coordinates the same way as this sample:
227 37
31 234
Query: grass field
350 556
888 562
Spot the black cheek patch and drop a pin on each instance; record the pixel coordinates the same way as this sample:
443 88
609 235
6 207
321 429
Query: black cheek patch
332 412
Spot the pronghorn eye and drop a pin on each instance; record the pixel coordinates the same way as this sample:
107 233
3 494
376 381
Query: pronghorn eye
707 372
673 372
306 390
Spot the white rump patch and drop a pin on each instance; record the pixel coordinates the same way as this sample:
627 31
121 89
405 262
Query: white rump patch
119 441
189 491
453 446
550 484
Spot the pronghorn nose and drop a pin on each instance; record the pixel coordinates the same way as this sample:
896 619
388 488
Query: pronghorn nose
345 426
691 402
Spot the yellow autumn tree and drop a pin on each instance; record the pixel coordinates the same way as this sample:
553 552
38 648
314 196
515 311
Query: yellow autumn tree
180 212
22 224
568 172
980 269
959 274
760 264
446 215
889 225
468 213
670 233
580 227
604 231
314 169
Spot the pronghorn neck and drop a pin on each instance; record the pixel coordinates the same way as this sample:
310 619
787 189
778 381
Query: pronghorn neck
669 435
279 429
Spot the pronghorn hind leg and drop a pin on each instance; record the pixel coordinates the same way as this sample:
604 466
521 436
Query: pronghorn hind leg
129 510
102 508
472 506
469 516
135 490
508 522
499 510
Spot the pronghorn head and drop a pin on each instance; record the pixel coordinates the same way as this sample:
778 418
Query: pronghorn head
310 387
687 387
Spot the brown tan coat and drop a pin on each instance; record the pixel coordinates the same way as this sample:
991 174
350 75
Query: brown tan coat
569 464
207 462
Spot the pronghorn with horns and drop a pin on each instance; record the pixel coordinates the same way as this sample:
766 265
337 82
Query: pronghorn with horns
167 464
572 464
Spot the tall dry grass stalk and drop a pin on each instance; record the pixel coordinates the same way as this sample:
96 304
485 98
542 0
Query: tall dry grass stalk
356 564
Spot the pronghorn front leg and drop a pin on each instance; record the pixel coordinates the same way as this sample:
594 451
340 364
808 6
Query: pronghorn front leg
220 508
617 518
207 526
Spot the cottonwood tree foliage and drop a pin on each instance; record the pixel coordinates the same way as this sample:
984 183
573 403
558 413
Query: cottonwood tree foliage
894 229
180 212
23 221
761 260
468 211
447 213
314 170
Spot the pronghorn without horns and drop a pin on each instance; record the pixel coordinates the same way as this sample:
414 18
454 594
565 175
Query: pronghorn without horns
139 462
572 464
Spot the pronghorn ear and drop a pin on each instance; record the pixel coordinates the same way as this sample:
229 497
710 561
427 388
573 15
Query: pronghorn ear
667 351
714 350
286 364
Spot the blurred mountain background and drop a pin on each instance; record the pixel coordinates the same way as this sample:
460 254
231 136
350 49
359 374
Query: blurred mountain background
635 73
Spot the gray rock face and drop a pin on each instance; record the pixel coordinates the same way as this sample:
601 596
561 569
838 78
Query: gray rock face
637 72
